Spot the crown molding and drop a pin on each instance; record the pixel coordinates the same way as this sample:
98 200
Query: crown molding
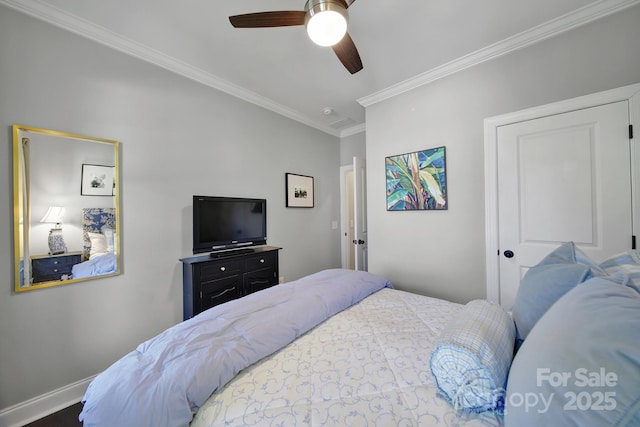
353 130
75 24
87 29
592 12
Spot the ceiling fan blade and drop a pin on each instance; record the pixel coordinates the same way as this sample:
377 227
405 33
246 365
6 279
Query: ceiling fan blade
282 18
347 53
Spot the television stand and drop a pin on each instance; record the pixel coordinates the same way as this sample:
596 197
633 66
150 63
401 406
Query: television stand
208 281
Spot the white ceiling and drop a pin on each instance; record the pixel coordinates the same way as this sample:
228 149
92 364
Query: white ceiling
403 44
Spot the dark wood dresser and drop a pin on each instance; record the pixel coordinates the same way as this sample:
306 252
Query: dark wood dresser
211 280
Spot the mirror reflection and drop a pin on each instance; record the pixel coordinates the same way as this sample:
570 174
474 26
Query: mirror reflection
66 207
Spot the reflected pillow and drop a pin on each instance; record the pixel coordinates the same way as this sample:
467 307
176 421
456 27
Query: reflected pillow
109 235
98 244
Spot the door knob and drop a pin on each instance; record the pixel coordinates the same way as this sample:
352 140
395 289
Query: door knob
508 253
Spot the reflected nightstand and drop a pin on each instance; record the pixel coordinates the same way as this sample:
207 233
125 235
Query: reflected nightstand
47 268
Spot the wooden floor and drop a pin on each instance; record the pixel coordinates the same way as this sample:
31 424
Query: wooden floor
67 417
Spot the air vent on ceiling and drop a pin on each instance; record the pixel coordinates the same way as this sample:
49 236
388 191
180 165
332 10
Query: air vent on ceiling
336 120
343 122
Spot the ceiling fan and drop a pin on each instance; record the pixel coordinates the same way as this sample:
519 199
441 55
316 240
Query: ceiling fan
326 23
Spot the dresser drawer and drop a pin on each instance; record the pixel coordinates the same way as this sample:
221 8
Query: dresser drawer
265 260
219 269
220 291
260 279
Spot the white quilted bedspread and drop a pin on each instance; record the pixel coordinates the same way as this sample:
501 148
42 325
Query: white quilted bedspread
366 366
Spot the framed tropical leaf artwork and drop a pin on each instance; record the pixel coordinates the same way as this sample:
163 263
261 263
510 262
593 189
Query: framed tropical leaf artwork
417 181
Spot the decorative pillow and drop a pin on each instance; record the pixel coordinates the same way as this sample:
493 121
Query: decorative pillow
627 263
98 244
93 219
582 258
109 235
568 253
540 288
544 283
471 358
580 365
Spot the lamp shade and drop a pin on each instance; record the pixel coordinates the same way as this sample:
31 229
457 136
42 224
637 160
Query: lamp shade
54 215
327 22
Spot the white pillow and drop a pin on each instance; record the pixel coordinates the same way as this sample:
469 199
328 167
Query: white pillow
98 244
109 234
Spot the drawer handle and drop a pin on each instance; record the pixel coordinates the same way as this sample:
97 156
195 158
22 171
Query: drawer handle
262 260
56 262
223 268
55 270
223 292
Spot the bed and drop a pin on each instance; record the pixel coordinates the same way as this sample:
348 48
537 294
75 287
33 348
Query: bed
99 243
368 365
344 348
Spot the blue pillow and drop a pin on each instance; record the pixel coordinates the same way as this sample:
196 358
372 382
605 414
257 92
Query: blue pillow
627 264
568 253
471 358
540 288
544 283
563 254
580 365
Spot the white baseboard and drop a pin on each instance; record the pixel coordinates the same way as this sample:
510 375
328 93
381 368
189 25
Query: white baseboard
46 404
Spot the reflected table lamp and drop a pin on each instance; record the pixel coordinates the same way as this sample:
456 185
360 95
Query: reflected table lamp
54 215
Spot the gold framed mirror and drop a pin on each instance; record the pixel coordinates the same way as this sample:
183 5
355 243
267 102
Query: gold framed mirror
66 199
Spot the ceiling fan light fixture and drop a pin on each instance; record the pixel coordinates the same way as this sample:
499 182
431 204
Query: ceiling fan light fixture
326 21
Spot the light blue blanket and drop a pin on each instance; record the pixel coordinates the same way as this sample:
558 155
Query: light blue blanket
166 379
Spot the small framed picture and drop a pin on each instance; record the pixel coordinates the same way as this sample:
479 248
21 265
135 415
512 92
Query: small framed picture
299 191
97 180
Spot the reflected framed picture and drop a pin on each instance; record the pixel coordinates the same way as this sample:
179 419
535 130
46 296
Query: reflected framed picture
417 181
97 180
299 190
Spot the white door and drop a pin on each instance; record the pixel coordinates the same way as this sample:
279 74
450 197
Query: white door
562 178
346 217
360 213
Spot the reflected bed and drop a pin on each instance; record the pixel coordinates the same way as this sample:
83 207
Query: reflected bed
99 243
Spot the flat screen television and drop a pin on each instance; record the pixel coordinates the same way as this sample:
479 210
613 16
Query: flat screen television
228 222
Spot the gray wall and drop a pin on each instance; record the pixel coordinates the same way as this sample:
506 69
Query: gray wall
178 138
352 146
443 253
